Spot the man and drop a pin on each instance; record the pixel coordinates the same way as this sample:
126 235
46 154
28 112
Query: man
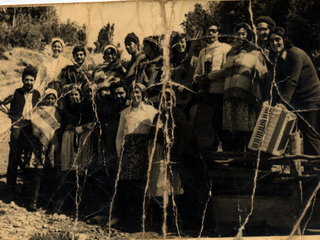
213 58
24 100
132 46
119 93
80 72
264 25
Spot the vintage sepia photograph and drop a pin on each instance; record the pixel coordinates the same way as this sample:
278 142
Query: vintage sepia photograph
160 120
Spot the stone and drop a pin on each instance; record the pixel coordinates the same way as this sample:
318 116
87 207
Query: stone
12 204
82 236
17 224
55 216
62 217
45 225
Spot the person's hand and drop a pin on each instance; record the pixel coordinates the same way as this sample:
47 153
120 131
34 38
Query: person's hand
180 88
88 126
197 79
202 81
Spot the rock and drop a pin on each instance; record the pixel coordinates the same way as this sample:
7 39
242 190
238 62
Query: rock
38 214
62 217
82 236
55 217
17 224
45 225
12 204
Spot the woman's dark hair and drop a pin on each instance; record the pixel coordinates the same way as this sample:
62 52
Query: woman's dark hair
282 33
175 58
209 24
69 89
246 27
79 49
154 43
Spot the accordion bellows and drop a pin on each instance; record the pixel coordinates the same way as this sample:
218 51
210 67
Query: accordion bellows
272 130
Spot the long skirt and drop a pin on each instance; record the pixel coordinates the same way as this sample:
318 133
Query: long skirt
88 147
134 162
161 184
239 115
68 151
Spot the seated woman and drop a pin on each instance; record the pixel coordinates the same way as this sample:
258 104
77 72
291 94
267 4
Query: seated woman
132 149
111 68
45 121
298 86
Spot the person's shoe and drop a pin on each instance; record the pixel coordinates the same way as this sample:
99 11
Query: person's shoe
10 194
32 206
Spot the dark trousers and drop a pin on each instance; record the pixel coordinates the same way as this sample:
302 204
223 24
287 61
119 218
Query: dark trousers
129 204
216 102
311 139
20 143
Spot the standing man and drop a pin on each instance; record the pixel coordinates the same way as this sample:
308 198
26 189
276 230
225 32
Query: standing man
24 100
213 58
132 46
264 24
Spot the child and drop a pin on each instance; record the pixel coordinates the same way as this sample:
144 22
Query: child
45 121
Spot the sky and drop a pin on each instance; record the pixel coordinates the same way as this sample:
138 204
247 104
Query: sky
141 17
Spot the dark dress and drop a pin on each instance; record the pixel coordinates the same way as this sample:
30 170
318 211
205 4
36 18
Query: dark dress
174 141
69 144
89 138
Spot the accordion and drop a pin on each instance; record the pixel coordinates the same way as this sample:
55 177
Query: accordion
272 130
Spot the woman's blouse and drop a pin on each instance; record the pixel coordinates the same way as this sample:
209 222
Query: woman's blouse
135 121
49 71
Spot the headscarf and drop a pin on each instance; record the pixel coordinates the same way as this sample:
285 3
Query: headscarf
49 91
172 94
60 41
87 85
143 90
110 46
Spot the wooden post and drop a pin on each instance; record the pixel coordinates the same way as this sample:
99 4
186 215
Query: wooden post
296 171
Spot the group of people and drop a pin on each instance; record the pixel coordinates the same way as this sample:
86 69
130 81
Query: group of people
117 125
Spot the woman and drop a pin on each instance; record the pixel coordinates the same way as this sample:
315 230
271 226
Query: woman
88 138
111 68
132 136
182 67
150 67
173 139
69 146
45 121
298 86
244 72
243 31
49 70
132 149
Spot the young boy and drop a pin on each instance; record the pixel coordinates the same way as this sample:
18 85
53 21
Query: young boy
24 100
